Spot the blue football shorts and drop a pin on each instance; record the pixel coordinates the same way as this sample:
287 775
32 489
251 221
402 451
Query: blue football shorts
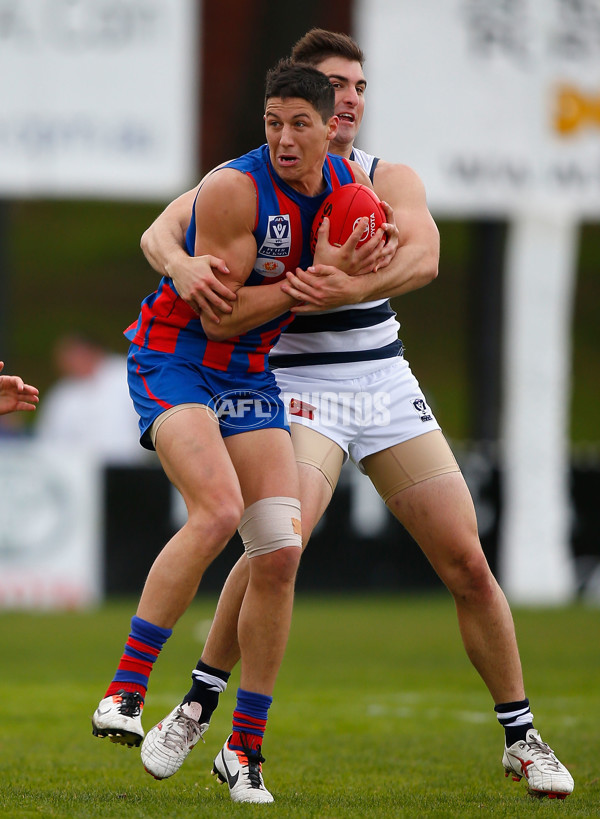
241 402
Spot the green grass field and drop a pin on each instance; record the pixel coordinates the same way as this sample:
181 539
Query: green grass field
377 713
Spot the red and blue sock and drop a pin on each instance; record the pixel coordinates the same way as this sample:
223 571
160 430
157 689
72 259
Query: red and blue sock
249 721
141 650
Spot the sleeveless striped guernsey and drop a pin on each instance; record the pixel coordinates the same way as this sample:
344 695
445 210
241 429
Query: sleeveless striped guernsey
282 232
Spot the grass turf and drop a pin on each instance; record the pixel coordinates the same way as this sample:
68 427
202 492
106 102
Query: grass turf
377 712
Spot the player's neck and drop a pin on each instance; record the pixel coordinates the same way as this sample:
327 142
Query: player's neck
344 150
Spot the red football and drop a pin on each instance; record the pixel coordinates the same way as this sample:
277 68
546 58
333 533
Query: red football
344 207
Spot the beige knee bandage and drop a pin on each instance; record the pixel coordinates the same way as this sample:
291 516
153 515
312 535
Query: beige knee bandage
271 524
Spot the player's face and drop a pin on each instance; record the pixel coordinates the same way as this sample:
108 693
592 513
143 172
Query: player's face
349 82
298 142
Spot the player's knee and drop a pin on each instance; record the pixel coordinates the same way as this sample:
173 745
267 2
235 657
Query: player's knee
271 527
274 574
279 568
471 579
229 516
217 523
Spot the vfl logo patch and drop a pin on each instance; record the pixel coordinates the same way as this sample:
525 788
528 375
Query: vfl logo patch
278 239
423 410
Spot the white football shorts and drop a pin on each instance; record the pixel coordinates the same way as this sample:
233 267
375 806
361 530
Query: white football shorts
363 414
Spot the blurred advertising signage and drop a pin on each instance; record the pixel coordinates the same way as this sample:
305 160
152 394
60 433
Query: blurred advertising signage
50 528
97 97
495 103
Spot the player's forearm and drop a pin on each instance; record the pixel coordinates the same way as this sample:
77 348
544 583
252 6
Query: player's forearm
163 243
254 306
163 246
413 267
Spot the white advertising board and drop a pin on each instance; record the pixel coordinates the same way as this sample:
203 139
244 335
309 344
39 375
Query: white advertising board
50 528
98 97
495 103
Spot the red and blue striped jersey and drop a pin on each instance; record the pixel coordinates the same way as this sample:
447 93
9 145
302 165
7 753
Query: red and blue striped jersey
282 231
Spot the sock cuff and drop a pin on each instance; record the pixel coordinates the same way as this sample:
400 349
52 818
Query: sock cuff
212 683
510 707
514 714
253 704
154 636
212 671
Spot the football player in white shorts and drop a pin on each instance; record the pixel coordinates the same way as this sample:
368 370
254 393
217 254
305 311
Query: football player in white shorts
350 392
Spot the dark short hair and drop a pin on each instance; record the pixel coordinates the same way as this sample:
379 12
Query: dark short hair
318 44
293 79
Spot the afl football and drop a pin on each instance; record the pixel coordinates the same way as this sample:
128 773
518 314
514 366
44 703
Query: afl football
344 207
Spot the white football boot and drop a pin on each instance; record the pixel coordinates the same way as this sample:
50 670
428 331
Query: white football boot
242 770
119 717
167 744
534 760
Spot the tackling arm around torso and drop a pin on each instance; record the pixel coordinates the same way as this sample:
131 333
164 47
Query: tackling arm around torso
415 262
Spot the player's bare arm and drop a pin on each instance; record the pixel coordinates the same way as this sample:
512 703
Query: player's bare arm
415 264
163 245
225 216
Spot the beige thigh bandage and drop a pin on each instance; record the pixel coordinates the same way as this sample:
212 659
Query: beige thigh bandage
410 462
312 448
271 524
167 414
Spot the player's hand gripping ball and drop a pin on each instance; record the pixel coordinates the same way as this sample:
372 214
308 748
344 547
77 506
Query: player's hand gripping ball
344 207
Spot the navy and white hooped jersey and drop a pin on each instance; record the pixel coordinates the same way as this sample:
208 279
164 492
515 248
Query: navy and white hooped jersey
345 335
366 161
284 219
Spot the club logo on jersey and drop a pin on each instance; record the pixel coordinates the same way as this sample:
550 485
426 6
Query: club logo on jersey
423 410
278 238
244 409
269 267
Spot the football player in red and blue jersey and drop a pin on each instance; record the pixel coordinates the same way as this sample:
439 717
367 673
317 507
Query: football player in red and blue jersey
211 408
